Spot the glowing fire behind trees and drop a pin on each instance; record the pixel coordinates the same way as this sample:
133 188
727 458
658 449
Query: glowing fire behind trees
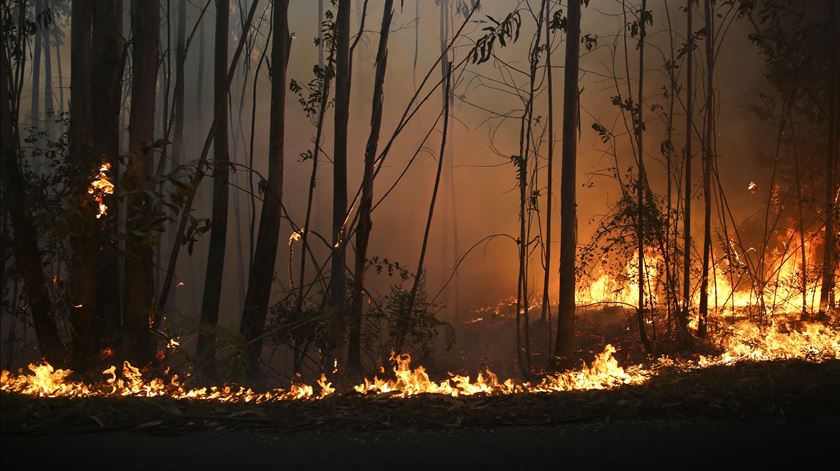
747 341
101 187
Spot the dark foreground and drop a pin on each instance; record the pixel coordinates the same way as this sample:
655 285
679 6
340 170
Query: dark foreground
658 444
768 413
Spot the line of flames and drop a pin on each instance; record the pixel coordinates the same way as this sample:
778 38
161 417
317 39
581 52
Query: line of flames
782 294
747 341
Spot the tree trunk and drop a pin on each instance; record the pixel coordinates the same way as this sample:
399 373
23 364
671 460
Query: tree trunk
180 59
829 255
707 173
689 130
565 342
342 111
82 245
641 184
138 308
198 176
545 312
354 357
35 109
178 138
404 321
107 58
27 254
48 87
219 214
262 269
199 89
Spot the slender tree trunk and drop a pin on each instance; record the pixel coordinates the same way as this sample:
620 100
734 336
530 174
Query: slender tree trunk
60 77
219 215
262 269
803 274
671 294
35 110
320 32
106 104
199 80
342 112
25 236
139 261
180 79
829 256
545 312
313 177
404 321
689 130
416 43
565 343
82 245
198 176
48 86
707 173
525 140
641 184
354 357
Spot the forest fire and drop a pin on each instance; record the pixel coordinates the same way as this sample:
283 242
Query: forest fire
487 215
745 342
783 291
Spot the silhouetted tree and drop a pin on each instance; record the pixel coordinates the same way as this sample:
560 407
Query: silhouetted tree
568 206
139 263
262 269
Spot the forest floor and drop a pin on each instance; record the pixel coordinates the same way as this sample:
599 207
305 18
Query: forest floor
749 413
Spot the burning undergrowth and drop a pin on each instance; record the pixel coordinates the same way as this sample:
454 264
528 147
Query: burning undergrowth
744 342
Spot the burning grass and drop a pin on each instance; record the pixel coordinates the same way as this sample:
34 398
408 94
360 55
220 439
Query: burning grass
744 342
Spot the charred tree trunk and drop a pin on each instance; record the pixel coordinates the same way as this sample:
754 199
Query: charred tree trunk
25 236
525 205
262 269
565 343
829 256
689 130
179 102
219 215
82 246
641 184
545 312
35 109
106 104
703 308
342 115
48 87
139 260
178 94
354 357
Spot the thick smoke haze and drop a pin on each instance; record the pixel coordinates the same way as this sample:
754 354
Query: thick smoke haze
478 193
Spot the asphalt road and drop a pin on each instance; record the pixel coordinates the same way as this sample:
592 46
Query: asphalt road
675 444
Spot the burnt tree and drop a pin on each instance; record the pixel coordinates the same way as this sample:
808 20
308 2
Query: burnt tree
262 268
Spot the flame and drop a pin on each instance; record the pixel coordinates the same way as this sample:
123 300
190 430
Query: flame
100 187
782 291
744 341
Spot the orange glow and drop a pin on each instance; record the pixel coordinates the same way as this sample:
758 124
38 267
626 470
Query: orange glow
745 341
100 187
